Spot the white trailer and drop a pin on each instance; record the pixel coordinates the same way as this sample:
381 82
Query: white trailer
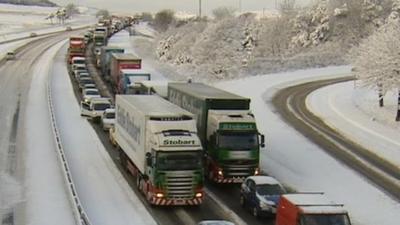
159 145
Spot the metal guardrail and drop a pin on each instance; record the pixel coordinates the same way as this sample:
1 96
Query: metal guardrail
79 213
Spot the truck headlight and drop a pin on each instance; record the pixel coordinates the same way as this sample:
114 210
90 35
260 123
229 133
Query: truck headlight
199 195
220 173
159 195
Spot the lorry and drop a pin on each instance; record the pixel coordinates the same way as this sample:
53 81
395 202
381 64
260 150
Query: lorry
76 47
105 58
99 39
227 130
159 146
310 209
129 81
122 61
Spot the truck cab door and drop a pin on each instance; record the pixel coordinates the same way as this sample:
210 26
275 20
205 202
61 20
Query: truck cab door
85 109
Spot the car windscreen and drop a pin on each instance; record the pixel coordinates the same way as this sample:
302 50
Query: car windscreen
91 92
101 106
269 189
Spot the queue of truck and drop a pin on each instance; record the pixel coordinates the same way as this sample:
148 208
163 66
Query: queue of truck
172 136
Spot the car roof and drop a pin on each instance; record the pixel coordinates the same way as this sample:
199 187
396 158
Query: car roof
264 180
215 222
90 89
110 110
78 57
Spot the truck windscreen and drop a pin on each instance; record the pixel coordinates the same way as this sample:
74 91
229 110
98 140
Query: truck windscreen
238 141
179 160
325 219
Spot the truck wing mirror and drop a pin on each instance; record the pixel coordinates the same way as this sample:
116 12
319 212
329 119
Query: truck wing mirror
149 159
262 144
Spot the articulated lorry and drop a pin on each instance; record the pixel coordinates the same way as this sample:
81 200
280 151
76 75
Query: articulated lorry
76 47
121 61
159 146
227 130
310 209
105 58
130 81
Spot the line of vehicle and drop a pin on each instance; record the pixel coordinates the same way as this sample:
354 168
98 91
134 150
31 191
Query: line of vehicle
291 104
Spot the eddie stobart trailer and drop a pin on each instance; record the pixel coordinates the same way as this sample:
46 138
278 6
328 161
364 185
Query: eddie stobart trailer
227 130
159 145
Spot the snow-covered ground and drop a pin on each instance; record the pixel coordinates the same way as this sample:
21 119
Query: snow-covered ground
20 21
296 161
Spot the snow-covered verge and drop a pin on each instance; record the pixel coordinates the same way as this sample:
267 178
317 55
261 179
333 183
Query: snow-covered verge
46 199
298 163
316 36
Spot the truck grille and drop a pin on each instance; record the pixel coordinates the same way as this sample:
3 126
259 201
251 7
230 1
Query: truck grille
180 185
235 171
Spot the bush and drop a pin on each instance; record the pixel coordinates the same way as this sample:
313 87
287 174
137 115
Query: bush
163 19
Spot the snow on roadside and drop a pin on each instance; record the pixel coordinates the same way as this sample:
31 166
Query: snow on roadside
103 192
297 162
47 201
353 112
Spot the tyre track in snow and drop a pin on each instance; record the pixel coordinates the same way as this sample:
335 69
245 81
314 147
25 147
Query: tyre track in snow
291 105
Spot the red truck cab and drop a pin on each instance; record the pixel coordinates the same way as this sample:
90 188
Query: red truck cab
310 209
76 47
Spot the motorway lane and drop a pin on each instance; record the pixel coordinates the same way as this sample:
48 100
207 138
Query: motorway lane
15 82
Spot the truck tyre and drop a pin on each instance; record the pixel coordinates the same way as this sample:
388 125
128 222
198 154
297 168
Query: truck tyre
138 182
255 212
242 201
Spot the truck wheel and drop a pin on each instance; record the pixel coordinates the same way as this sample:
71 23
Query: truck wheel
242 201
138 180
255 212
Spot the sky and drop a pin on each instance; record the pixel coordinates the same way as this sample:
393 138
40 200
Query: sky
190 6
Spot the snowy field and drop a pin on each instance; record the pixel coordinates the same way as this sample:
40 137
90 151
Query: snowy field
20 21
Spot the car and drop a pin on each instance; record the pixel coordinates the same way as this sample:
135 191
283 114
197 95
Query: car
33 34
10 55
81 73
85 86
85 80
261 195
78 60
215 222
90 93
95 108
108 119
68 28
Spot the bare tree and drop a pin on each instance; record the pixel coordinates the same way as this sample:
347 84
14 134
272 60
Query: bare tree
104 13
377 61
163 19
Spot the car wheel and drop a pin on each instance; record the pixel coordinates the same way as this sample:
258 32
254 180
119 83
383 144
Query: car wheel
255 212
242 201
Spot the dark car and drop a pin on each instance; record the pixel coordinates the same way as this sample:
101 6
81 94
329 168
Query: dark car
261 194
